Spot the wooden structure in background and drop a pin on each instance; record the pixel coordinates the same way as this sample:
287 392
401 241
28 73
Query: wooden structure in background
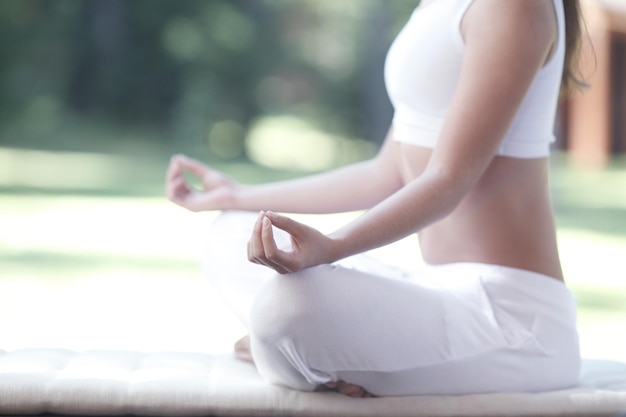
595 120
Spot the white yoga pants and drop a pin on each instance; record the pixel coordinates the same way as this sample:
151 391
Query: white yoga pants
454 329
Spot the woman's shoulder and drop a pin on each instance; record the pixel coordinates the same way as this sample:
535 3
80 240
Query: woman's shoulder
533 20
520 29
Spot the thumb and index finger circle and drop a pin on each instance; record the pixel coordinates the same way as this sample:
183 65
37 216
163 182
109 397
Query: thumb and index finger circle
287 224
191 165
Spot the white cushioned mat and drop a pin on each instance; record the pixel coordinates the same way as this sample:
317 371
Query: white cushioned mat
37 381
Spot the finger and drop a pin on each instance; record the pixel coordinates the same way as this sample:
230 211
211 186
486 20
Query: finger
255 244
193 166
287 224
272 255
251 241
174 169
176 189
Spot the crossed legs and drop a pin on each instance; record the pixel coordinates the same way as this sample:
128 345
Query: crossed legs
489 330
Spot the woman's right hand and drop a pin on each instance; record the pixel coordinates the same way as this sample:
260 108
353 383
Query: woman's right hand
218 189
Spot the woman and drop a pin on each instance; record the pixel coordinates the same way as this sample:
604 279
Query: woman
475 85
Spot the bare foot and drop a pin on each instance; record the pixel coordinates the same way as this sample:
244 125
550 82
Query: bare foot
242 349
351 390
242 352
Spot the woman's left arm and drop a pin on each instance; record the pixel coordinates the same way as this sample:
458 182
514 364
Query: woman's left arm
506 43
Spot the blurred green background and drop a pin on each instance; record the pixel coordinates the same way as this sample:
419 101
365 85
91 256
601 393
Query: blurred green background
95 95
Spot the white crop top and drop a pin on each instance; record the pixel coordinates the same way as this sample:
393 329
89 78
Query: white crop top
422 69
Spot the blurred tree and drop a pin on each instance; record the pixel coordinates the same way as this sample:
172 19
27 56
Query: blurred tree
189 68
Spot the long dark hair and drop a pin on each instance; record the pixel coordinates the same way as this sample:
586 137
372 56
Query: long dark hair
571 79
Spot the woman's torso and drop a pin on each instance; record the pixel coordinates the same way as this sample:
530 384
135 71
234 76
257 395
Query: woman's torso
506 218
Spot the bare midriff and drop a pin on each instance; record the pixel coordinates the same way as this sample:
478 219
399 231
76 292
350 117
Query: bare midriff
506 219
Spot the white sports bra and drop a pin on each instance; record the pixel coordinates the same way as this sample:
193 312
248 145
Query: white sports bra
422 69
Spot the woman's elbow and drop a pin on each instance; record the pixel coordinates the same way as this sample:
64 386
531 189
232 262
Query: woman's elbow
449 190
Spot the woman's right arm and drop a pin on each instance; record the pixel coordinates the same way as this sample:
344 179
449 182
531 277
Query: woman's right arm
353 187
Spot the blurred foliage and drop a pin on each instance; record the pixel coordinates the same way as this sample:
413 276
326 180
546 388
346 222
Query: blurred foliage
196 71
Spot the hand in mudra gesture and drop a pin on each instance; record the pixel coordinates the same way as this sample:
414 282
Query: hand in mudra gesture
309 247
217 190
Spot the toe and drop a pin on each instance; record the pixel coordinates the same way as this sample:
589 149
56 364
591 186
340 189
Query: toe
242 349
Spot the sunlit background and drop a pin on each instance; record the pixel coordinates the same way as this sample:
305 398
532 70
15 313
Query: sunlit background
95 95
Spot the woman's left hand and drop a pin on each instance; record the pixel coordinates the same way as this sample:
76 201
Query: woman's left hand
309 246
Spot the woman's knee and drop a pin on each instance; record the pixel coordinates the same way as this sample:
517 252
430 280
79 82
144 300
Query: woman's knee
283 331
282 308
